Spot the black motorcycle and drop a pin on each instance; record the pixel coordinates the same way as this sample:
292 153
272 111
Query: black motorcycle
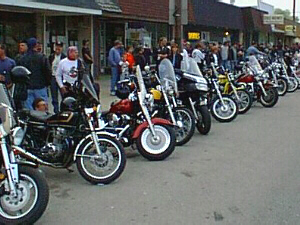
73 135
193 91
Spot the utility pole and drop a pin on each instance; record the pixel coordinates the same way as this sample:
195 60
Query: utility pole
294 16
177 16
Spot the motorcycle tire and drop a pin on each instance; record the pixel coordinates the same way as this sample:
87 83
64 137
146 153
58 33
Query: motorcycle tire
203 123
157 151
216 109
268 101
38 183
102 164
246 101
188 125
282 86
293 85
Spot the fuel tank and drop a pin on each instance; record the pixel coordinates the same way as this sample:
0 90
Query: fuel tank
64 118
124 106
246 79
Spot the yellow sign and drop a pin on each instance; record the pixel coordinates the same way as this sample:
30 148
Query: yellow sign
194 36
290 28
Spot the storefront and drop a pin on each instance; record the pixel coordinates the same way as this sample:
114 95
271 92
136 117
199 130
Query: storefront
15 27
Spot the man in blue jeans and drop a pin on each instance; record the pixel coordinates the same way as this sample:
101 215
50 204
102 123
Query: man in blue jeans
114 58
40 76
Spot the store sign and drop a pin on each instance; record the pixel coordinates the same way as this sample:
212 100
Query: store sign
273 19
290 28
194 36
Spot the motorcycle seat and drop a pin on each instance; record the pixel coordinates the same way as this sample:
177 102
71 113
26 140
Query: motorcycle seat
39 116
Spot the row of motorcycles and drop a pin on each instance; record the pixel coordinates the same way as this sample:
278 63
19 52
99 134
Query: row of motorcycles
157 111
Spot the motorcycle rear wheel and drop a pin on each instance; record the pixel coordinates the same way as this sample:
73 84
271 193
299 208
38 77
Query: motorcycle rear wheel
204 119
157 150
186 130
245 102
102 170
271 99
32 184
226 113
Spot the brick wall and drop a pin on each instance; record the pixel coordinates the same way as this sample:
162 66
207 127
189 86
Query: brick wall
154 9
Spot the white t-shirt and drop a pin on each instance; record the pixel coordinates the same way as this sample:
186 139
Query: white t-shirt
67 71
55 63
198 55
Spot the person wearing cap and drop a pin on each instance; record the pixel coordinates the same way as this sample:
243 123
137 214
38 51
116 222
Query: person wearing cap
40 77
67 69
54 60
6 65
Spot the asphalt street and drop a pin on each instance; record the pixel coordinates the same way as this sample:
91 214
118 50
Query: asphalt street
243 172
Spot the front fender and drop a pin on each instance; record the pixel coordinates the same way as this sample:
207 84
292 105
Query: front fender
144 125
88 137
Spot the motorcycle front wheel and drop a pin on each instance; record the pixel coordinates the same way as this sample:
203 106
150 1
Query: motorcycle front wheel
224 113
31 201
271 99
293 84
159 147
245 101
282 86
204 119
101 169
186 125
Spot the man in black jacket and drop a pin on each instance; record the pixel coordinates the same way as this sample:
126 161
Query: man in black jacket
54 60
40 77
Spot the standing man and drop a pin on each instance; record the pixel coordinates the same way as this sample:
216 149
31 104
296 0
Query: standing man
22 50
114 59
87 56
6 65
162 51
225 55
199 56
40 77
54 60
233 56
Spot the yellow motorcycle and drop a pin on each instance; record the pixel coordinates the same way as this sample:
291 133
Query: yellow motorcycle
229 86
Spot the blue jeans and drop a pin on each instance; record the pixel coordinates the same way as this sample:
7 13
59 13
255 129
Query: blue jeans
54 94
34 94
114 78
226 64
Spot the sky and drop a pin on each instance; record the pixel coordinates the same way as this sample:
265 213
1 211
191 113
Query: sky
282 4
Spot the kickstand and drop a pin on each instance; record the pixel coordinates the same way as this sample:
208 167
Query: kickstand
70 170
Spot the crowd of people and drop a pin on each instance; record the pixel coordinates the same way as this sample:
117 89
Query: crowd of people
45 72
58 67
225 54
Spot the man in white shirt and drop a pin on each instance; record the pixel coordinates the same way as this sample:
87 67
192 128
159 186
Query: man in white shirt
67 69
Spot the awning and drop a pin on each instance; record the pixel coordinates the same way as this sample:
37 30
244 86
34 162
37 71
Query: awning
34 4
275 30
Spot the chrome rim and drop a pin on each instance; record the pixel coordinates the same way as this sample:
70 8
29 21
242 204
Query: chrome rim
270 96
293 84
27 195
281 87
184 120
101 167
156 145
244 100
225 111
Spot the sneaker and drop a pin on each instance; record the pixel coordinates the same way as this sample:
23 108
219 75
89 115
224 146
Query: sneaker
112 93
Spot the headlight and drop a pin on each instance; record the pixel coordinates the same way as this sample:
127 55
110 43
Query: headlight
18 135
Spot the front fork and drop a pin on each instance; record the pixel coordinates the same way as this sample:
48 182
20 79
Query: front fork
11 167
169 108
219 93
262 88
94 136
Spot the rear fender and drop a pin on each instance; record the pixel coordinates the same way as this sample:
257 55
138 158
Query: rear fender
144 125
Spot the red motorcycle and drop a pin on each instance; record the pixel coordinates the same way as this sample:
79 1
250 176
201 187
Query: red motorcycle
130 120
258 84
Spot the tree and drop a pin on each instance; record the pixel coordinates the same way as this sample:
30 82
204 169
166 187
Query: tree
286 13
